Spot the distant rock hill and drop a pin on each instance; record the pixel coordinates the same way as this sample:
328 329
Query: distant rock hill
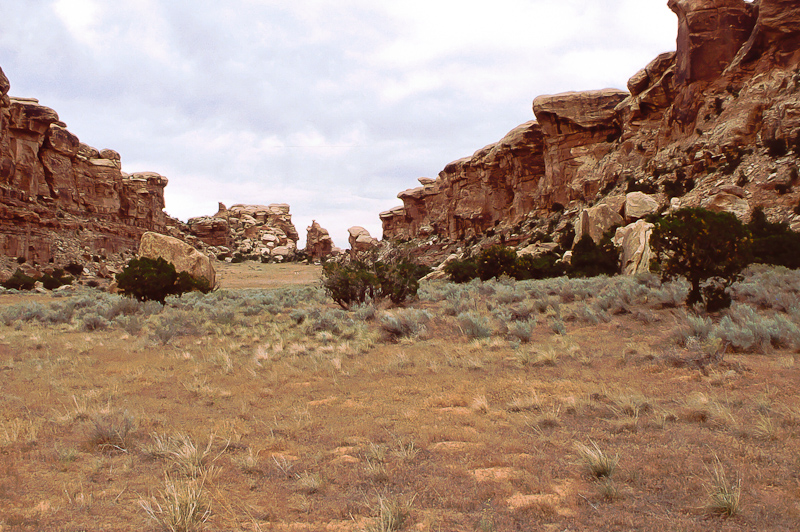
257 232
714 124
61 199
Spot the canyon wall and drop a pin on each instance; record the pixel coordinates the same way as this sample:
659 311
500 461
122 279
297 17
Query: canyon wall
60 198
715 123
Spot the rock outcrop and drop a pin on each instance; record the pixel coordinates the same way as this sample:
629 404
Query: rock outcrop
360 240
59 198
263 232
498 183
319 244
184 257
715 123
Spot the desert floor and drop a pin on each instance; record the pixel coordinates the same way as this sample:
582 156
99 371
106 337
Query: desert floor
576 405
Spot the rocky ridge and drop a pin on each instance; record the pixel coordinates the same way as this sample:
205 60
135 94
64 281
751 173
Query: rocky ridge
62 200
714 124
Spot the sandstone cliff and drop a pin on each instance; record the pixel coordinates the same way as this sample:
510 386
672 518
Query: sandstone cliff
715 123
60 198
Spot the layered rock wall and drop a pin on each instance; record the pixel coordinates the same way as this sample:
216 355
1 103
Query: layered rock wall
59 196
715 123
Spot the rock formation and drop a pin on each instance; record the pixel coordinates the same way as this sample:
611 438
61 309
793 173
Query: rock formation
263 232
61 199
319 244
715 124
360 240
184 257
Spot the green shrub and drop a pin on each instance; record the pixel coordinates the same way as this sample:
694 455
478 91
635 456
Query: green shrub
155 279
355 282
58 278
462 271
773 243
19 281
541 267
701 245
496 261
590 259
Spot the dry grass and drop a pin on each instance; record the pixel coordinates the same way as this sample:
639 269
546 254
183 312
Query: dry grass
272 411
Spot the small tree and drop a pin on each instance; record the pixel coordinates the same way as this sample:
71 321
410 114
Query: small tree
355 281
496 261
702 246
155 279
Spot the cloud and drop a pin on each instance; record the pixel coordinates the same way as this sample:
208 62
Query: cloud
332 107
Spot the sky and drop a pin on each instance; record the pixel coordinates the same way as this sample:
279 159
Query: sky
333 107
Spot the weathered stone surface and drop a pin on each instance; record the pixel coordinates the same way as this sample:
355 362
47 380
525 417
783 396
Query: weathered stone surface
724 202
319 244
360 240
578 129
60 198
214 231
710 33
498 184
595 221
638 205
249 230
184 257
634 240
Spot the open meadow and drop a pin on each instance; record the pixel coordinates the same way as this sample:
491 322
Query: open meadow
562 404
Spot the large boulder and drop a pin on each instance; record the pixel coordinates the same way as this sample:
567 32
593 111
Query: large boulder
184 257
360 240
638 205
595 221
634 240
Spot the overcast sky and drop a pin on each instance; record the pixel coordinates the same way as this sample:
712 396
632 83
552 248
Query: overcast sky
330 106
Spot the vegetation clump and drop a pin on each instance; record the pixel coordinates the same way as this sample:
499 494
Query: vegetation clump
358 280
155 279
19 281
709 249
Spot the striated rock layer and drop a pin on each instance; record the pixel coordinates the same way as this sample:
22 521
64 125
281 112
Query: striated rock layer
715 123
60 197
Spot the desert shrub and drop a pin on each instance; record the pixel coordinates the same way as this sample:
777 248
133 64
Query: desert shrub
701 245
773 243
462 271
124 306
74 269
496 261
474 325
590 259
155 279
522 330
355 282
58 278
744 330
766 287
130 324
404 322
112 432
19 281
94 322
540 267
332 321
